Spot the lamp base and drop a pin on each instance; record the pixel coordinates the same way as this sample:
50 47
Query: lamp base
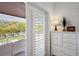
55 27
64 29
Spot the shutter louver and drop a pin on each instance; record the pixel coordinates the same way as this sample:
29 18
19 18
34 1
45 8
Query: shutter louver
39 30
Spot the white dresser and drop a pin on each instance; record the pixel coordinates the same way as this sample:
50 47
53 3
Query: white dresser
77 44
64 43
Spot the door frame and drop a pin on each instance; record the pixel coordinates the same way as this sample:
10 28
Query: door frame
30 31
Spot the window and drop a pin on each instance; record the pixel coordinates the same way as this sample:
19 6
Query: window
12 29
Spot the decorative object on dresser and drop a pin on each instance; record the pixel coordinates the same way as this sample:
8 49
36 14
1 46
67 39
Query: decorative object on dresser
71 28
64 23
56 23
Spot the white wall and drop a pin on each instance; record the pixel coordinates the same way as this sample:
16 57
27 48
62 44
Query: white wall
68 9
47 6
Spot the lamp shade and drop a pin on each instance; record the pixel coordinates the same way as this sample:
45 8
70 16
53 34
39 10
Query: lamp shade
55 22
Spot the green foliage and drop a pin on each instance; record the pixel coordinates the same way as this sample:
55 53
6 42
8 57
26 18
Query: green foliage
12 27
21 26
38 27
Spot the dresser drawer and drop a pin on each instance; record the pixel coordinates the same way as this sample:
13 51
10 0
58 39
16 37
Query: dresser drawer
78 39
54 34
57 48
69 46
57 42
54 42
59 38
69 52
78 43
57 34
69 35
60 43
54 37
77 53
78 49
69 40
58 53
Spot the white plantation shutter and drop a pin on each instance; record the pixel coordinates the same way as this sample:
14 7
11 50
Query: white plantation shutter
39 34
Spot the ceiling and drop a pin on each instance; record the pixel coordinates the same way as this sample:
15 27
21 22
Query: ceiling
45 5
48 6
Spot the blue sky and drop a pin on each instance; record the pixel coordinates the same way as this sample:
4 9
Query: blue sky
11 18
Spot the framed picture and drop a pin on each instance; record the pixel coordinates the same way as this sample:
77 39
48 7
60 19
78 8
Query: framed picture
71 28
